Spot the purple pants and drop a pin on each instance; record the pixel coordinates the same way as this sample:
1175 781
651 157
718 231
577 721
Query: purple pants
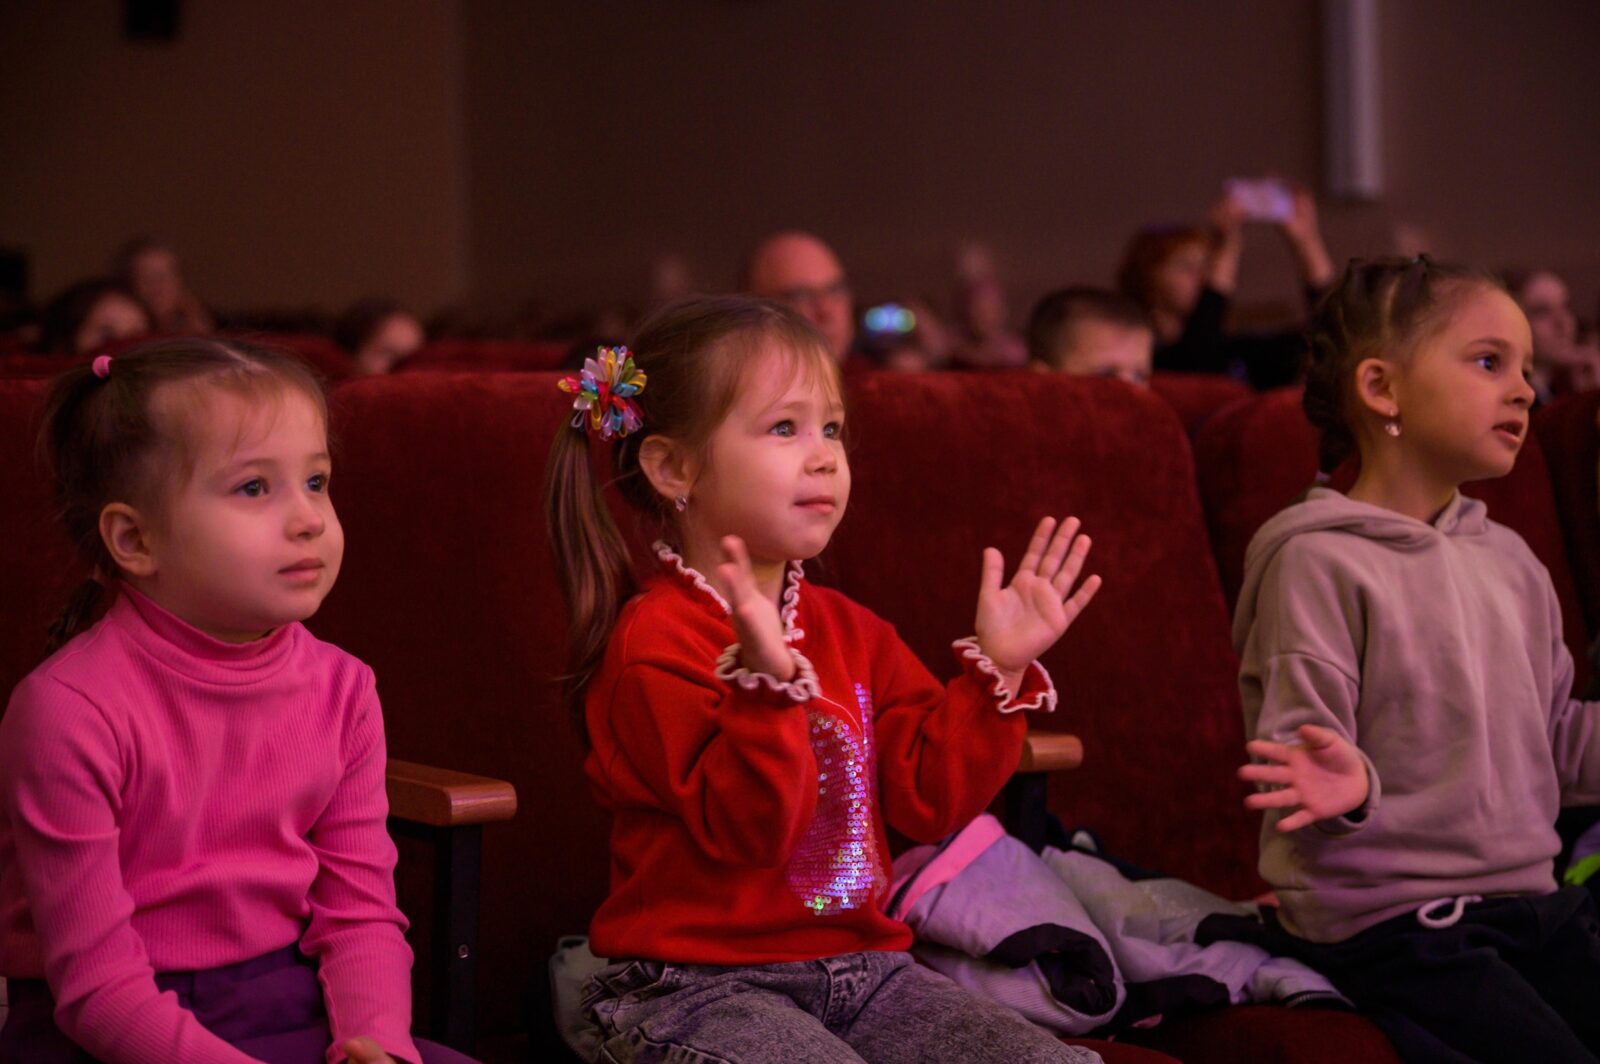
269 1007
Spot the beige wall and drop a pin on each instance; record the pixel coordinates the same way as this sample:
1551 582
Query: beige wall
302 152
295 151
602 134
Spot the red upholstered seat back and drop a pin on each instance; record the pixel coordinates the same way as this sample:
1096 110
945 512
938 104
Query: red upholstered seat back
1570 439
479 356
1197 396
947 464
38 569
449 592
1257 457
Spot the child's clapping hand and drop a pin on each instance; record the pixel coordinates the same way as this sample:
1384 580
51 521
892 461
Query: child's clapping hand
1018 622
756 623
1320 776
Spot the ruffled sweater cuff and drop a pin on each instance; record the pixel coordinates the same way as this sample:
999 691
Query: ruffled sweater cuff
803 688
1038 690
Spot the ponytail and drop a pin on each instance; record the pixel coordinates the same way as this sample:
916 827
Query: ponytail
78 612
593 565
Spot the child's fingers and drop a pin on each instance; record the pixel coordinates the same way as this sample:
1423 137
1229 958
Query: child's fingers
365 1051
1036 545
993 571
1283 799
1059 549
1071 566
1075 605
1316 737
735 569
1296 821
1271 751
1266 773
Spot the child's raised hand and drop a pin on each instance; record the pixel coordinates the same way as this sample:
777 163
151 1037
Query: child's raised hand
1319 776
1022 620
756 623
365 1051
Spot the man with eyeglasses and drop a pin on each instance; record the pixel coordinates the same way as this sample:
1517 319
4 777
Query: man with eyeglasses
800 270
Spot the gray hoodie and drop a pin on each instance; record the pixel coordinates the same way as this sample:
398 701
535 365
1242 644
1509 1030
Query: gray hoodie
1436 649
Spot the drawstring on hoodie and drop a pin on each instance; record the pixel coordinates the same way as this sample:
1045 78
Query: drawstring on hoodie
1458 907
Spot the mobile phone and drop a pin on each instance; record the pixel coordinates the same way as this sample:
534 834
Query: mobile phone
1263 199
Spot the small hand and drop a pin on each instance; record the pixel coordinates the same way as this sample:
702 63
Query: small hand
1305 234
1319 776
1017 623
756 623
365 1051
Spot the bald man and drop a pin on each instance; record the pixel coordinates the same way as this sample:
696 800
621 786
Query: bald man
798 269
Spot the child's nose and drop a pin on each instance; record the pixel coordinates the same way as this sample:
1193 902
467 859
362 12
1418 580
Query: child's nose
307 521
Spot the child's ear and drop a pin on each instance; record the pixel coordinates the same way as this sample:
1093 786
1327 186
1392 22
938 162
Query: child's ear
1375 387
124 532
669 467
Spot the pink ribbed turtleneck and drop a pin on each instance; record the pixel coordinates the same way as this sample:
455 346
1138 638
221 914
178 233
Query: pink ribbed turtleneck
171 802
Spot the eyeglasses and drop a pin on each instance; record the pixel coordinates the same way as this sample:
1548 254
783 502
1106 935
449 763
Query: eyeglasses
814 294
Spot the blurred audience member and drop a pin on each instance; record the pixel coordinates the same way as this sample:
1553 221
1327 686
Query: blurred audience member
1563 363
89 315
379 334
983 340
799 269
152 272
670 279
1091 332
1185 278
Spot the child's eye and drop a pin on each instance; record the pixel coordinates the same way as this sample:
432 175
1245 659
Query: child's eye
252 488
318 483
782 428
832 430
1489 362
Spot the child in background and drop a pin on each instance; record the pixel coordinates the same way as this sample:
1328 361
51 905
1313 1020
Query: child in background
752 735
1090 332
193 859
378 334
1408 690
89 315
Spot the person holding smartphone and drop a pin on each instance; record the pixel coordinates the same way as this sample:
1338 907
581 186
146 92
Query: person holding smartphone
1185 277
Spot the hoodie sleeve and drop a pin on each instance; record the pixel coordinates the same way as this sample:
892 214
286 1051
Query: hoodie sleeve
1301 663
1574 723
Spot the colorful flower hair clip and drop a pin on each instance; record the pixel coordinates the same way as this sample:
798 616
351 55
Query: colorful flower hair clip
605 392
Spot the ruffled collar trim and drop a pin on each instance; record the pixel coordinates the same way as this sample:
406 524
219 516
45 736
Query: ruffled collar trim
788 604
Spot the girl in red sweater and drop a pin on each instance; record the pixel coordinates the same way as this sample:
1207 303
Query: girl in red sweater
753 735
193 862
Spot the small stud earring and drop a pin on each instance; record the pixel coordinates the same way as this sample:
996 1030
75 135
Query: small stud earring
681 503
1392 427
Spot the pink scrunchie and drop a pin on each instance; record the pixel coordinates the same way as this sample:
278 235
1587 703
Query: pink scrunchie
102 366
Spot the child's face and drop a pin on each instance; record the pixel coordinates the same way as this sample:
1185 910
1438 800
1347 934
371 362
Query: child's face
775 471
113 317
395 340
1097 348
250 541
1463 395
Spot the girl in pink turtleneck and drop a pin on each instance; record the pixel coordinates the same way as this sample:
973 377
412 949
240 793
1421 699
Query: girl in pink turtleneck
193 860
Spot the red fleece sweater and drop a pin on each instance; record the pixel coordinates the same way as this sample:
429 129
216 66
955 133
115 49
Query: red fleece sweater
749 815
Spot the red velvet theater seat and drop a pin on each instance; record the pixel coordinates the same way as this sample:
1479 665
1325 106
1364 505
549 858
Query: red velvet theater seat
449 592
485 356
38 571
945 465
325 356
1197 396
1257 457
1567 434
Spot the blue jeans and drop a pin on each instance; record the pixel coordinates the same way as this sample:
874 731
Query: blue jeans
878 1007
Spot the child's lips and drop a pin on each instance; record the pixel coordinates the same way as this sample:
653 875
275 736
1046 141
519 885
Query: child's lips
307 569
821 504
1511 432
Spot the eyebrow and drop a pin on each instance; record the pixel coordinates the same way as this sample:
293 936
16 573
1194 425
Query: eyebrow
241 464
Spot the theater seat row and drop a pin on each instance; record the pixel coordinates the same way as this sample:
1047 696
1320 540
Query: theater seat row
449 592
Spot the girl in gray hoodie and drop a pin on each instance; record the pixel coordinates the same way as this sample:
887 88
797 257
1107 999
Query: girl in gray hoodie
1408 691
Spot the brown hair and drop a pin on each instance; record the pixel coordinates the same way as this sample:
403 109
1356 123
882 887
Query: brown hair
694 354
1057 312
1377 308
1147 251
102 438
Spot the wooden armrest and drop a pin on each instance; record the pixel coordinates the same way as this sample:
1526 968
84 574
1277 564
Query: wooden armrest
1050 752
441 798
